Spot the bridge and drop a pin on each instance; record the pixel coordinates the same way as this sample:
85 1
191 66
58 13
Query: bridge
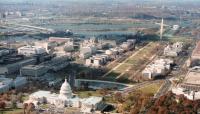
15 26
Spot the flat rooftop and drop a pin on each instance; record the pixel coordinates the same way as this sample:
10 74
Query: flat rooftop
14 62
11 58
5 82
197 49
193 77
92 100
34 67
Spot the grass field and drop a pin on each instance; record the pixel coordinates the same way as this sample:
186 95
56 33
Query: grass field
12 111
151 89
133 63
86 94
179 39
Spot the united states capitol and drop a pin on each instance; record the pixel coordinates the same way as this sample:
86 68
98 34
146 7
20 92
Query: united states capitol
65 99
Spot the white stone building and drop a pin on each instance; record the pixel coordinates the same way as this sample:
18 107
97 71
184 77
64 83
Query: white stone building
157 68
97 60
173 50
33 71
190 87
31 50
86 52
129 44
192 95
48 46
175 27
65 99
69 46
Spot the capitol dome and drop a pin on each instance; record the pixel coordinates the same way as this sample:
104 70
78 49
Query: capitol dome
65 91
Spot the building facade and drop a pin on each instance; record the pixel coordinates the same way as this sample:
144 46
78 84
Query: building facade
65 99
31 50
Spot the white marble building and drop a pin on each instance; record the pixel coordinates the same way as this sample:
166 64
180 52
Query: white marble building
158 67
65 99
173 50
31 50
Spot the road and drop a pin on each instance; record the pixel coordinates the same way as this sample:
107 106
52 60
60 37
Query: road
174 73
164 88
16 26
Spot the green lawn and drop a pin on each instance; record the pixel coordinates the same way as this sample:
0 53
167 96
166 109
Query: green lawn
132 64
12 111
109 99
24 98
85 94
151 89
45 106
111 76
122 68
179 39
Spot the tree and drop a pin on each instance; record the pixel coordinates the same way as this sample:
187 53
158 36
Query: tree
14 101
30 108
2 106
19 97
103 91
14 104
135 110
162 110
118 97
5 97
25 107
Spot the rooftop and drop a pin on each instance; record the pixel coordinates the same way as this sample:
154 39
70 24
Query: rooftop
33 67
92 100
197 49
30 47
193 77
5 81
42 94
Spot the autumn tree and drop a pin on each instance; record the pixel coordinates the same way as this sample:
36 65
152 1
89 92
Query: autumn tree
30 108
118 97
25 105
103 91
13 101
2 106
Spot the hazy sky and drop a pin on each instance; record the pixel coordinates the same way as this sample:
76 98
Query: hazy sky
90 0
5 1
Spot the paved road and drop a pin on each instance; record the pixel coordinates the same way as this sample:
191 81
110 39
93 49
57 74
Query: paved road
164 88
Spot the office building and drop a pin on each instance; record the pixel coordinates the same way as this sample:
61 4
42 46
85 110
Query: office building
33 71
158 67
31 50
173 50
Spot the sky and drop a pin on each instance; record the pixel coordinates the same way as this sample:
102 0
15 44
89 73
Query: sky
37 1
